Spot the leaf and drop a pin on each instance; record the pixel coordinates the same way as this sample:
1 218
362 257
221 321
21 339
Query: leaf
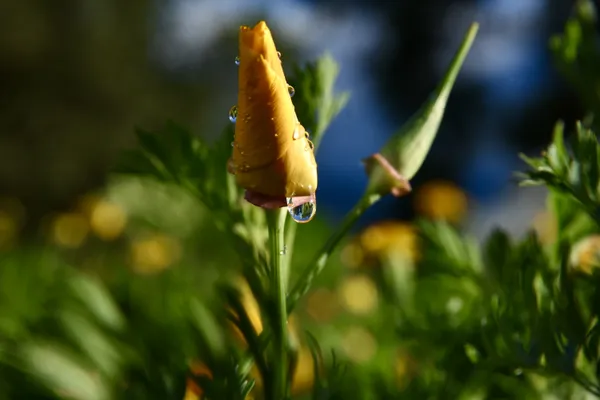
408 148
557 152
316 102
208 327
97 300
62 372
447 249
496 254
97 346
398 161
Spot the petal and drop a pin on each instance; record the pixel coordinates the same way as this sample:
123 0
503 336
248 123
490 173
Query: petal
271 155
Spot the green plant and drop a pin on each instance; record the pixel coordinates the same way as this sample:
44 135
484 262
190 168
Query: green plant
509 318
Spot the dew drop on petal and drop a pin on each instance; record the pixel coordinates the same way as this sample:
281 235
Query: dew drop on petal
237 60
232 144
279 54
233 114
291 90
296 134
304 212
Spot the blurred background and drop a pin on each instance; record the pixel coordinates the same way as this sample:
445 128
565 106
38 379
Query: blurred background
77 77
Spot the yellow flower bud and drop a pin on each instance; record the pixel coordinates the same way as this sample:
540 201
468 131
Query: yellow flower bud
272 157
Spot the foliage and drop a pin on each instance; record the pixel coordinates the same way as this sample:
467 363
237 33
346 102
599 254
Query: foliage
506 318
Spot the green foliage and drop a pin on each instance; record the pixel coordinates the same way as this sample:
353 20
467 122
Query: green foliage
405 151
316 103
505 318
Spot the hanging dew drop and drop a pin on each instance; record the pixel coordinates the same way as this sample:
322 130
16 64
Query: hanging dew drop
302 213
279 54
291 90
237 60
233 114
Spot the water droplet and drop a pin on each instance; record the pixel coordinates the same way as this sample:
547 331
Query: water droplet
237 60
244 168
304 212
232 144
233 114
279 54
306 134
296 134
291 90
283 251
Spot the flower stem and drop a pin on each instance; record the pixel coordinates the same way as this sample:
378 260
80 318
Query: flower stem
305 280
290 239
276 224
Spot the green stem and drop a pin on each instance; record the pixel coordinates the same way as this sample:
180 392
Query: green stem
276 223
316 266
290 238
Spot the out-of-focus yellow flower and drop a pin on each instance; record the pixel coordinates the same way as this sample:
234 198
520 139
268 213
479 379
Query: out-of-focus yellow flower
8 229
359 294
384 238
585 255
359 345
322 305
272 156
441 200
544 223
352 254
154 254
404 368
252 310
12 217
193 390
69 229
304 377
108 220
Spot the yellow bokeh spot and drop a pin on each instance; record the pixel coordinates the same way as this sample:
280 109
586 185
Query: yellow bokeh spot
544 224
303 378
155 253
9 228
252 308
352 255
404 368
69 229
359 345
585 255
390 236
107 220
12 216
441 200
359 294
193 390
322 305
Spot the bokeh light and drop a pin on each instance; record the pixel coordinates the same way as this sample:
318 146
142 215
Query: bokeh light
154 253
441 200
